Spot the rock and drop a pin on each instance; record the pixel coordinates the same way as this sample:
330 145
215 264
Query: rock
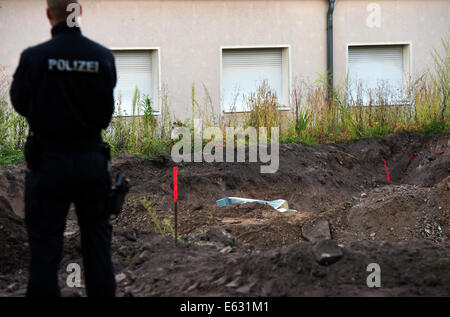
234 283
193 286
197 207
120 277
373 234
218 234
192 239
130 235
212 245
13 287
226 250
131 276
246 288
220 281
248 248
363 195
316 231
143 257
327 252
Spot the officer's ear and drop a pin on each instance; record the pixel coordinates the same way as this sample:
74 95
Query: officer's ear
49 15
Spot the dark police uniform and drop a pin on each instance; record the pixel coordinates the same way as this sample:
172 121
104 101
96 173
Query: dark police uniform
64 87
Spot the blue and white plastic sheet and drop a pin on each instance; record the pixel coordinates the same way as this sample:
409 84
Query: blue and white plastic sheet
280 205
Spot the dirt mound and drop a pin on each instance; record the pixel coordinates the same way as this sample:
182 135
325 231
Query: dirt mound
148 265
13 245
161 269
395 213
12 181
13 238
340 191
346 182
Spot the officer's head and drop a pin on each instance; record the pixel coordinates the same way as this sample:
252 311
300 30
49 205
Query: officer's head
57 10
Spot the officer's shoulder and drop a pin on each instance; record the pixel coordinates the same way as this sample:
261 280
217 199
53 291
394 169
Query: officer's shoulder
35 49
99 48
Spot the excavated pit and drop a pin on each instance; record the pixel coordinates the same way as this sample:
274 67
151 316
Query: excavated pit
339 190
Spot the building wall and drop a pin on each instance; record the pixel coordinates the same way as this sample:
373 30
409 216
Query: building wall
190 34
422 24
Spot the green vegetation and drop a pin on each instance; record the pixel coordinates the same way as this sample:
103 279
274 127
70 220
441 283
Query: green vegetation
13 127
316 119
313 119
142 133
444 262
11 155
163 227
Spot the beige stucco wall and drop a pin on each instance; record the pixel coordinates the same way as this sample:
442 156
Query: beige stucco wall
191 33
421 24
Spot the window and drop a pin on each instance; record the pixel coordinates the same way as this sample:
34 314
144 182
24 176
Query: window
377 74
135 69
244 70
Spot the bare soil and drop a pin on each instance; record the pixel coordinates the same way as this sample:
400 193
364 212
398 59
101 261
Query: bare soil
253 250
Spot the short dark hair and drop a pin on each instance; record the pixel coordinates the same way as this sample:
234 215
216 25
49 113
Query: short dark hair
58 8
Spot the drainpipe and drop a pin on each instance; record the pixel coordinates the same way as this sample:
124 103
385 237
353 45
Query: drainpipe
330 51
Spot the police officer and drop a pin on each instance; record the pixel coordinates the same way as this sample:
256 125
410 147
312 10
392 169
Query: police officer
64 87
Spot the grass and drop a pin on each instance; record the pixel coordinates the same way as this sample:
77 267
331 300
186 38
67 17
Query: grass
444 262
11 155
142 133
347 117
314 118
13 128
163 227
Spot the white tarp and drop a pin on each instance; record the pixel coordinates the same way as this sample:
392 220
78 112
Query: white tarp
280 204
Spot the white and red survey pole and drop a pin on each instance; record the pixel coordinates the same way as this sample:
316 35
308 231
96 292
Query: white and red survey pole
387 171
175 200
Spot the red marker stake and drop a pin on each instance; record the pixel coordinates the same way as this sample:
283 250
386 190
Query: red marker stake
175 200
387 172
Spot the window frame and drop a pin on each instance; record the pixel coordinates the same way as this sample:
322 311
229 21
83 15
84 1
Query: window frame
286 75
407 62
156 76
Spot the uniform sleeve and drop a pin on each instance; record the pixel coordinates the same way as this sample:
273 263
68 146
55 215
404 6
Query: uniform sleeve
21 87
114 73
113 85
108 101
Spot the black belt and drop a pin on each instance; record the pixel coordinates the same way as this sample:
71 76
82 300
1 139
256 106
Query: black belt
36 143
71 148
